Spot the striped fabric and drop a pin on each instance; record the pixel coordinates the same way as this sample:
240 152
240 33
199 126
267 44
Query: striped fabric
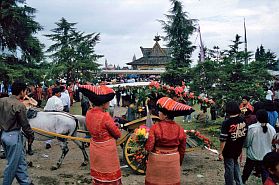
98 90
171 105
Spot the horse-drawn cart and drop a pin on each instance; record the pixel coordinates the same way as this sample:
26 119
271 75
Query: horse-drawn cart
134 152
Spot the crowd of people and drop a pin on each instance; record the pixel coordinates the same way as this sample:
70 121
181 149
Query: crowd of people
246 126
253 128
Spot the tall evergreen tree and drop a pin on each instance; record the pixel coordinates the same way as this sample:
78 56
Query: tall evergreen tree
62 50
267 58
261 53
271 62
178 29
73 52
85 54
17 29
257 54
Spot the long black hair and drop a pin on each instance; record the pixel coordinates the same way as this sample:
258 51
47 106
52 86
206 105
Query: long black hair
262 117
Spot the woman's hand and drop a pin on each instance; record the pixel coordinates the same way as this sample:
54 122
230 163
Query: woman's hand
220 157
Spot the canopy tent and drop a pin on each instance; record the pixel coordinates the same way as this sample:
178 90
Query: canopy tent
134 84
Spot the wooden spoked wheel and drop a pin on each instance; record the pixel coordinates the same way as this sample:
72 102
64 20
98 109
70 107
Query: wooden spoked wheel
135 155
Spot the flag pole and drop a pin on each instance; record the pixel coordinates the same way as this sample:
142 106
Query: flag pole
245 42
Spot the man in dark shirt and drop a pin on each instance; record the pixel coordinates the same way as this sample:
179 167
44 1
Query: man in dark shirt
13 121
232 138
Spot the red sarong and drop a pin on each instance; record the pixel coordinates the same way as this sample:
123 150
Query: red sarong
104 163
163 168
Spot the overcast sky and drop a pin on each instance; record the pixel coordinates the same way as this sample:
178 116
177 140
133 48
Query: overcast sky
125 25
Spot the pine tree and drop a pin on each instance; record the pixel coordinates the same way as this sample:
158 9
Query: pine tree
257 54
267 58
17 29
178 29
73 52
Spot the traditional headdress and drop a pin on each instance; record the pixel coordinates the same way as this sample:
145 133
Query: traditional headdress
98 95
170 107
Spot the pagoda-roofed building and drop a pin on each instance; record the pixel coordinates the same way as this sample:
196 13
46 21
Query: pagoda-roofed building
153 58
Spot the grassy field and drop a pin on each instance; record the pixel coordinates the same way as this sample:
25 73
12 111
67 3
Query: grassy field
211 129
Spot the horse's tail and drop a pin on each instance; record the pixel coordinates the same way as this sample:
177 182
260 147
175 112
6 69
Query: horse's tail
76 128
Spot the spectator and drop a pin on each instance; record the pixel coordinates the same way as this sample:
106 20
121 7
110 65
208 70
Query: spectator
65 98
258 143
245 106
271 163
213 110
202 116
247 111
272 113
112 105
269 94
232 137
13 121
39 95
54 103
118 95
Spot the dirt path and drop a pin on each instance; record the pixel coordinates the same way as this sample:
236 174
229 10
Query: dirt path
199 168
196 163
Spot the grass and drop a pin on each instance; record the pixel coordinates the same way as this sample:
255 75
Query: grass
210 129
76 109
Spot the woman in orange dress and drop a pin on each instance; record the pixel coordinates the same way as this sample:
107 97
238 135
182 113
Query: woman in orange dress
166 144
104 162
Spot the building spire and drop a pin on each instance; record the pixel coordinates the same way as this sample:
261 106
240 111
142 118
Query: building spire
157 38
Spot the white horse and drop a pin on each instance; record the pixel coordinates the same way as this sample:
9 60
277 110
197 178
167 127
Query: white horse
60 123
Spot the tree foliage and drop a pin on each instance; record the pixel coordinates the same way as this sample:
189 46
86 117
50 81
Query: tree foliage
73 52
267 58
17 29
178 29
229 78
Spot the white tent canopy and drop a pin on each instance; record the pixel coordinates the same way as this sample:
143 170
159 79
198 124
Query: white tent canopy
130 84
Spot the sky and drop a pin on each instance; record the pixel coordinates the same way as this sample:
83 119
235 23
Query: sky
125 25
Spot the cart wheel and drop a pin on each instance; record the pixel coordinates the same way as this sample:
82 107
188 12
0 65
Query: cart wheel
135 156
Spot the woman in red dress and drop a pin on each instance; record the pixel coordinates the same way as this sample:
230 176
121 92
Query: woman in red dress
104 162
166 144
